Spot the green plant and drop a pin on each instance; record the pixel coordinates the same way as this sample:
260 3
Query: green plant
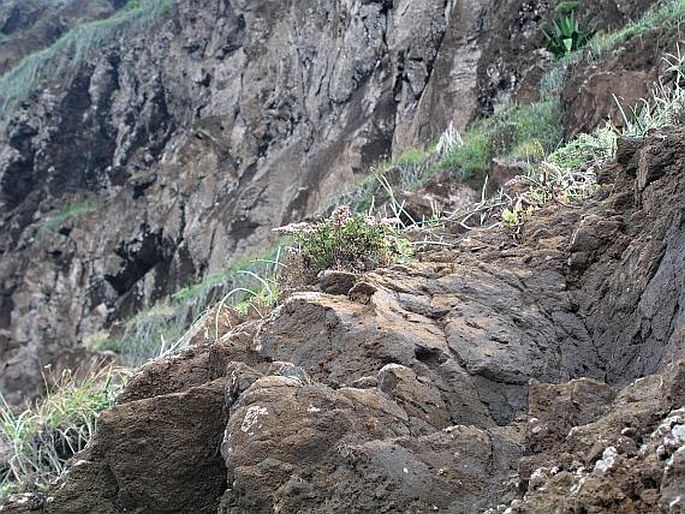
59 62
661 14
518 132
73 210
41 438
566 35
670 13
347 241
666 104
411 157
567 175
517 213
472 156
259 299
586 149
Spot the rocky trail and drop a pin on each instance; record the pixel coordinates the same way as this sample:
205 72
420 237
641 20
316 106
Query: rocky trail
542 373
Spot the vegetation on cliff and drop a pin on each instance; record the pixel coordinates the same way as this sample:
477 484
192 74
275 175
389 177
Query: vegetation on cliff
60 61
529 136
36 443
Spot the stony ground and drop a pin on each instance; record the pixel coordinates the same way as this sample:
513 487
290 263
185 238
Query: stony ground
541 373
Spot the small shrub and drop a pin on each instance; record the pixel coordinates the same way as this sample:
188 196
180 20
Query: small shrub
586 149
347 241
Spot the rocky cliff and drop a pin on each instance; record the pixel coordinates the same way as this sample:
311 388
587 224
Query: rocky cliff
189 137
540 371
494 376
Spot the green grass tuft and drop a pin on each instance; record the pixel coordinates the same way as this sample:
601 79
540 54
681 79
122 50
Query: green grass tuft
36 443
662 14
510 134
60 61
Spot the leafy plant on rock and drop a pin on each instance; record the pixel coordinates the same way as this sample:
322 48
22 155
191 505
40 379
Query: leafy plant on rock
566 35
347 241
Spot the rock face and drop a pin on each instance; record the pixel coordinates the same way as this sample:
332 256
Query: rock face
28 26
537 375
189 140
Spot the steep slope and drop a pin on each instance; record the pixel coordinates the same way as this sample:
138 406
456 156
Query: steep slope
189 139
535 370
417 388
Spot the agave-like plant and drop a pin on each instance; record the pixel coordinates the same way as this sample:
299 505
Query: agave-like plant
566 35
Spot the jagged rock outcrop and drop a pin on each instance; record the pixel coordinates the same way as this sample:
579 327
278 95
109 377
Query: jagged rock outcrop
227 120
595 450
534 375
192 138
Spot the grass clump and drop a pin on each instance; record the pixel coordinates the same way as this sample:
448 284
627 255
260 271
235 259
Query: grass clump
473 156
666 103
348 241
259 299
566 176
407 171
520 132
36 443
661 14
59 62
412 157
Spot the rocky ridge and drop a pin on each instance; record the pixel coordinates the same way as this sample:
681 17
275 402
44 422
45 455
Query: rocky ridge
538 373
500 375
191 140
